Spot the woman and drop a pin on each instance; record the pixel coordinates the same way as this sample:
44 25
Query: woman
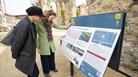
45 42
24 43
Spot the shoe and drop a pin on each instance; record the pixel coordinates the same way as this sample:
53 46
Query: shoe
55 70
47 75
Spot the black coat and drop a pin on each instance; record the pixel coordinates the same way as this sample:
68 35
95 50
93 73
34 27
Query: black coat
24 46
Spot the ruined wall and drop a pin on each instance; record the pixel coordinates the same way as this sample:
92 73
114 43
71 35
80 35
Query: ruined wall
129 60
6 22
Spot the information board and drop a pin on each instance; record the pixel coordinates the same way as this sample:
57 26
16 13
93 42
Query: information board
89 46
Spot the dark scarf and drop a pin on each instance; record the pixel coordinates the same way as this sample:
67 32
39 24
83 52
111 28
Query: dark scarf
49 32
48 27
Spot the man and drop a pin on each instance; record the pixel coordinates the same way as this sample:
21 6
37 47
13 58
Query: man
24 42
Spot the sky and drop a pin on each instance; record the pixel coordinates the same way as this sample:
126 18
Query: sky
15 7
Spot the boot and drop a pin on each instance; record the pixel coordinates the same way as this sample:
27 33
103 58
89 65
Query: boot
47 75
55 70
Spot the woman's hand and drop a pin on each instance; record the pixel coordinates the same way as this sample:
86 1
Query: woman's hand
68 25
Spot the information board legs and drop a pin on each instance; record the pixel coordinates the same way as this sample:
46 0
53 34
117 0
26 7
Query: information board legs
71 69
124 73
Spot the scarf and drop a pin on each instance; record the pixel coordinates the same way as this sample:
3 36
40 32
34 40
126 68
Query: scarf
49 32
48 28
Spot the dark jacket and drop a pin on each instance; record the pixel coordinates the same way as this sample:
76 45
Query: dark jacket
24 46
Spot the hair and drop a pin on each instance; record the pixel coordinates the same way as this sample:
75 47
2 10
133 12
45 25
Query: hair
47 14
45 21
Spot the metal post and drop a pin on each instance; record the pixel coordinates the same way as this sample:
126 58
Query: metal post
71 69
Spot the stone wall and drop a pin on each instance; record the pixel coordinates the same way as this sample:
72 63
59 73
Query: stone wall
6 22
129 60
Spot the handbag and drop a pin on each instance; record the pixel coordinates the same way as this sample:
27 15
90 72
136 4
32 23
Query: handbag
8 39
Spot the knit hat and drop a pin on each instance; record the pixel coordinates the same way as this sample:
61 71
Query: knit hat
34 11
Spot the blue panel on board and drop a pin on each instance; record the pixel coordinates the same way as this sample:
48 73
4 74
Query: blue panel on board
107 20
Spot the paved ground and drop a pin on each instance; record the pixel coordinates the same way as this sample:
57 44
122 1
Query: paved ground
7 68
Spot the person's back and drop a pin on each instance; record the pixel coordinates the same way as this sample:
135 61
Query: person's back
24 43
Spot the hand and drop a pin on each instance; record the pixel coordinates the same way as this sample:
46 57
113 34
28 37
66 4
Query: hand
68 25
